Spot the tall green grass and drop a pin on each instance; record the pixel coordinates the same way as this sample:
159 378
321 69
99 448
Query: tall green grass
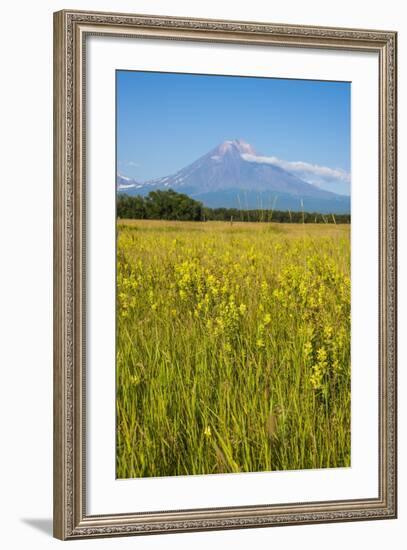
233 347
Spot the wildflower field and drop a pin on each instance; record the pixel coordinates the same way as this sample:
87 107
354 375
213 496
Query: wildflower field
233 347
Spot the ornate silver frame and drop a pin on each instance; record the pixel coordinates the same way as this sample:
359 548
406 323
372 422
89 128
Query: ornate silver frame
70 518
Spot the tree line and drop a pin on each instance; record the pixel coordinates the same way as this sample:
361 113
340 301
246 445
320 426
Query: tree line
170 205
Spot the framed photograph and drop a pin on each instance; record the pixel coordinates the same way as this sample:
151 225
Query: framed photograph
225 274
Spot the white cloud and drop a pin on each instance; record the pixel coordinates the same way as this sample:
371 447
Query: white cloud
321 176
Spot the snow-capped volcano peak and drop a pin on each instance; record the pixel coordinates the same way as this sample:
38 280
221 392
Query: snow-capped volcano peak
244 147
234 146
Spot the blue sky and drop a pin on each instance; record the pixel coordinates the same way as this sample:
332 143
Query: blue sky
165 121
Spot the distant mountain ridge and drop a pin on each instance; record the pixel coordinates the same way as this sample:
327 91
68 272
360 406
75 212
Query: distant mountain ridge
232 175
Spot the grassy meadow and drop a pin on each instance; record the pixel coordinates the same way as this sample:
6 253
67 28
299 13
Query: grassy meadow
233 347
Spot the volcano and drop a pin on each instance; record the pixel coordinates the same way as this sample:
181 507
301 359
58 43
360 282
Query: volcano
233 175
